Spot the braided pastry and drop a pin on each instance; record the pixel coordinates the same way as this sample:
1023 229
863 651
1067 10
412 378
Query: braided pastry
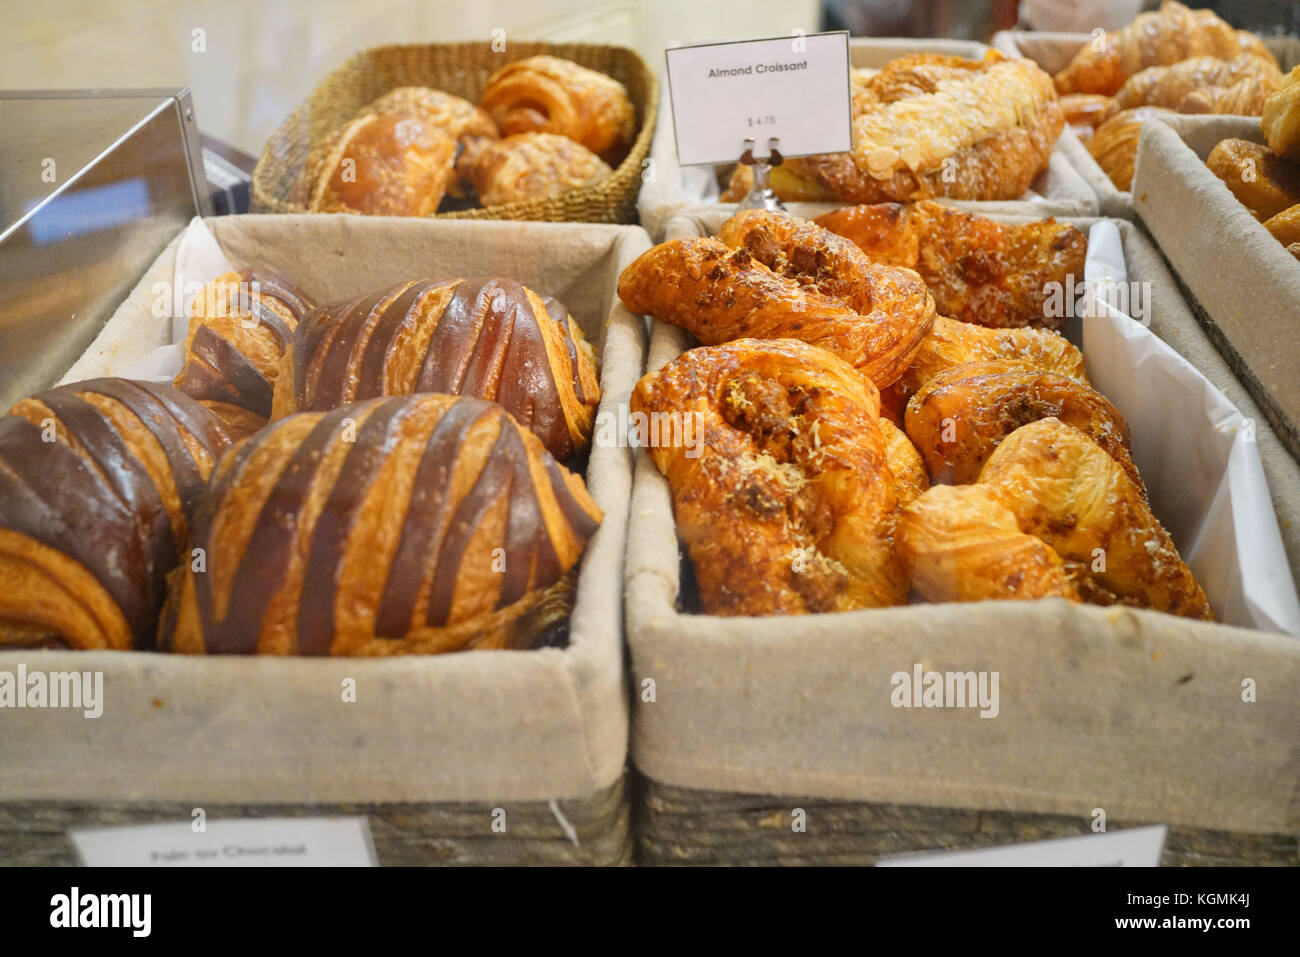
240 325
961 415
977 269
1281 120
1204 84
379 165
788 507
545 94
531 166
720 294
929 125
99 484
414 524
1156 38
491 338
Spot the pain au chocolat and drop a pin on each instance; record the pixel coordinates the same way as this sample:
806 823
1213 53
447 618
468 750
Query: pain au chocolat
240 325
491 338
410 524
99 483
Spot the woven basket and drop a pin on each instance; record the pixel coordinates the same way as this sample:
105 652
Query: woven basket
462 69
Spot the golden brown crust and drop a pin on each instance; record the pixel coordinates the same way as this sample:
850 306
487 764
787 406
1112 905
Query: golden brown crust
533 166
1087 109
405 525
978 270
905 462
546 94
1285 226
458 118
1262 182
787 505
1115 142
719 294
490 338
1281 120
1156 38
99 483
378 165
1204 84
960 416
931 126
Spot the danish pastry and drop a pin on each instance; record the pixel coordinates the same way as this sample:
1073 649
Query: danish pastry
532 166
491 338
1262 182
404 525
99 486
546 94
1285 226
788 504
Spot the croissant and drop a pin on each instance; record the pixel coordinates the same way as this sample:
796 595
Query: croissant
929 125
978 270
545 94
1281 120
786 503
533 166
491 338
405 525
240 324
1264 183
961 543
380 165
99 482
1066 490
1205 84
905 462
1157 38
1087 109
719 294
1115 142
961 415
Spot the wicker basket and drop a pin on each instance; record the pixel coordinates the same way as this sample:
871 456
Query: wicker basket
462 69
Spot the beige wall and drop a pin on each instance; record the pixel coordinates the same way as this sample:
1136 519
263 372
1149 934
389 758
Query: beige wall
262 57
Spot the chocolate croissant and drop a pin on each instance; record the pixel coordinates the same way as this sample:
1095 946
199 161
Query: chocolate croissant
977 269
491 338
99 485
240 325
780 477
531 166
720 294
960 416
412 524
545 94
379 165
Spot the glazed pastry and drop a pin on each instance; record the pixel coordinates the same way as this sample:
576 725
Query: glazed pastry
1285 226
961 415
490 338
388 165
905 463
406 525
978 270
1087 109
951 343
1157 38
545 94
788 507
1114 144
467 124
533 166
1263 183
1204 84
99 483
240 325
961 543
1281 120
719 294
1066 490
929 125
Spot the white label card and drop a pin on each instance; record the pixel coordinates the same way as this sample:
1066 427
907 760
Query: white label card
244 842
1131 847
794 88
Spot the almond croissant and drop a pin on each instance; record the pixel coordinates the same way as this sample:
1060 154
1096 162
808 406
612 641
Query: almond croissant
786 503
719 294
491 338
412 524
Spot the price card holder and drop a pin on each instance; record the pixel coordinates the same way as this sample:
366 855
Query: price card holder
793 90
1131 847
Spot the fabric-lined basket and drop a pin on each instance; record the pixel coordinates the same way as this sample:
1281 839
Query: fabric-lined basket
462 69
